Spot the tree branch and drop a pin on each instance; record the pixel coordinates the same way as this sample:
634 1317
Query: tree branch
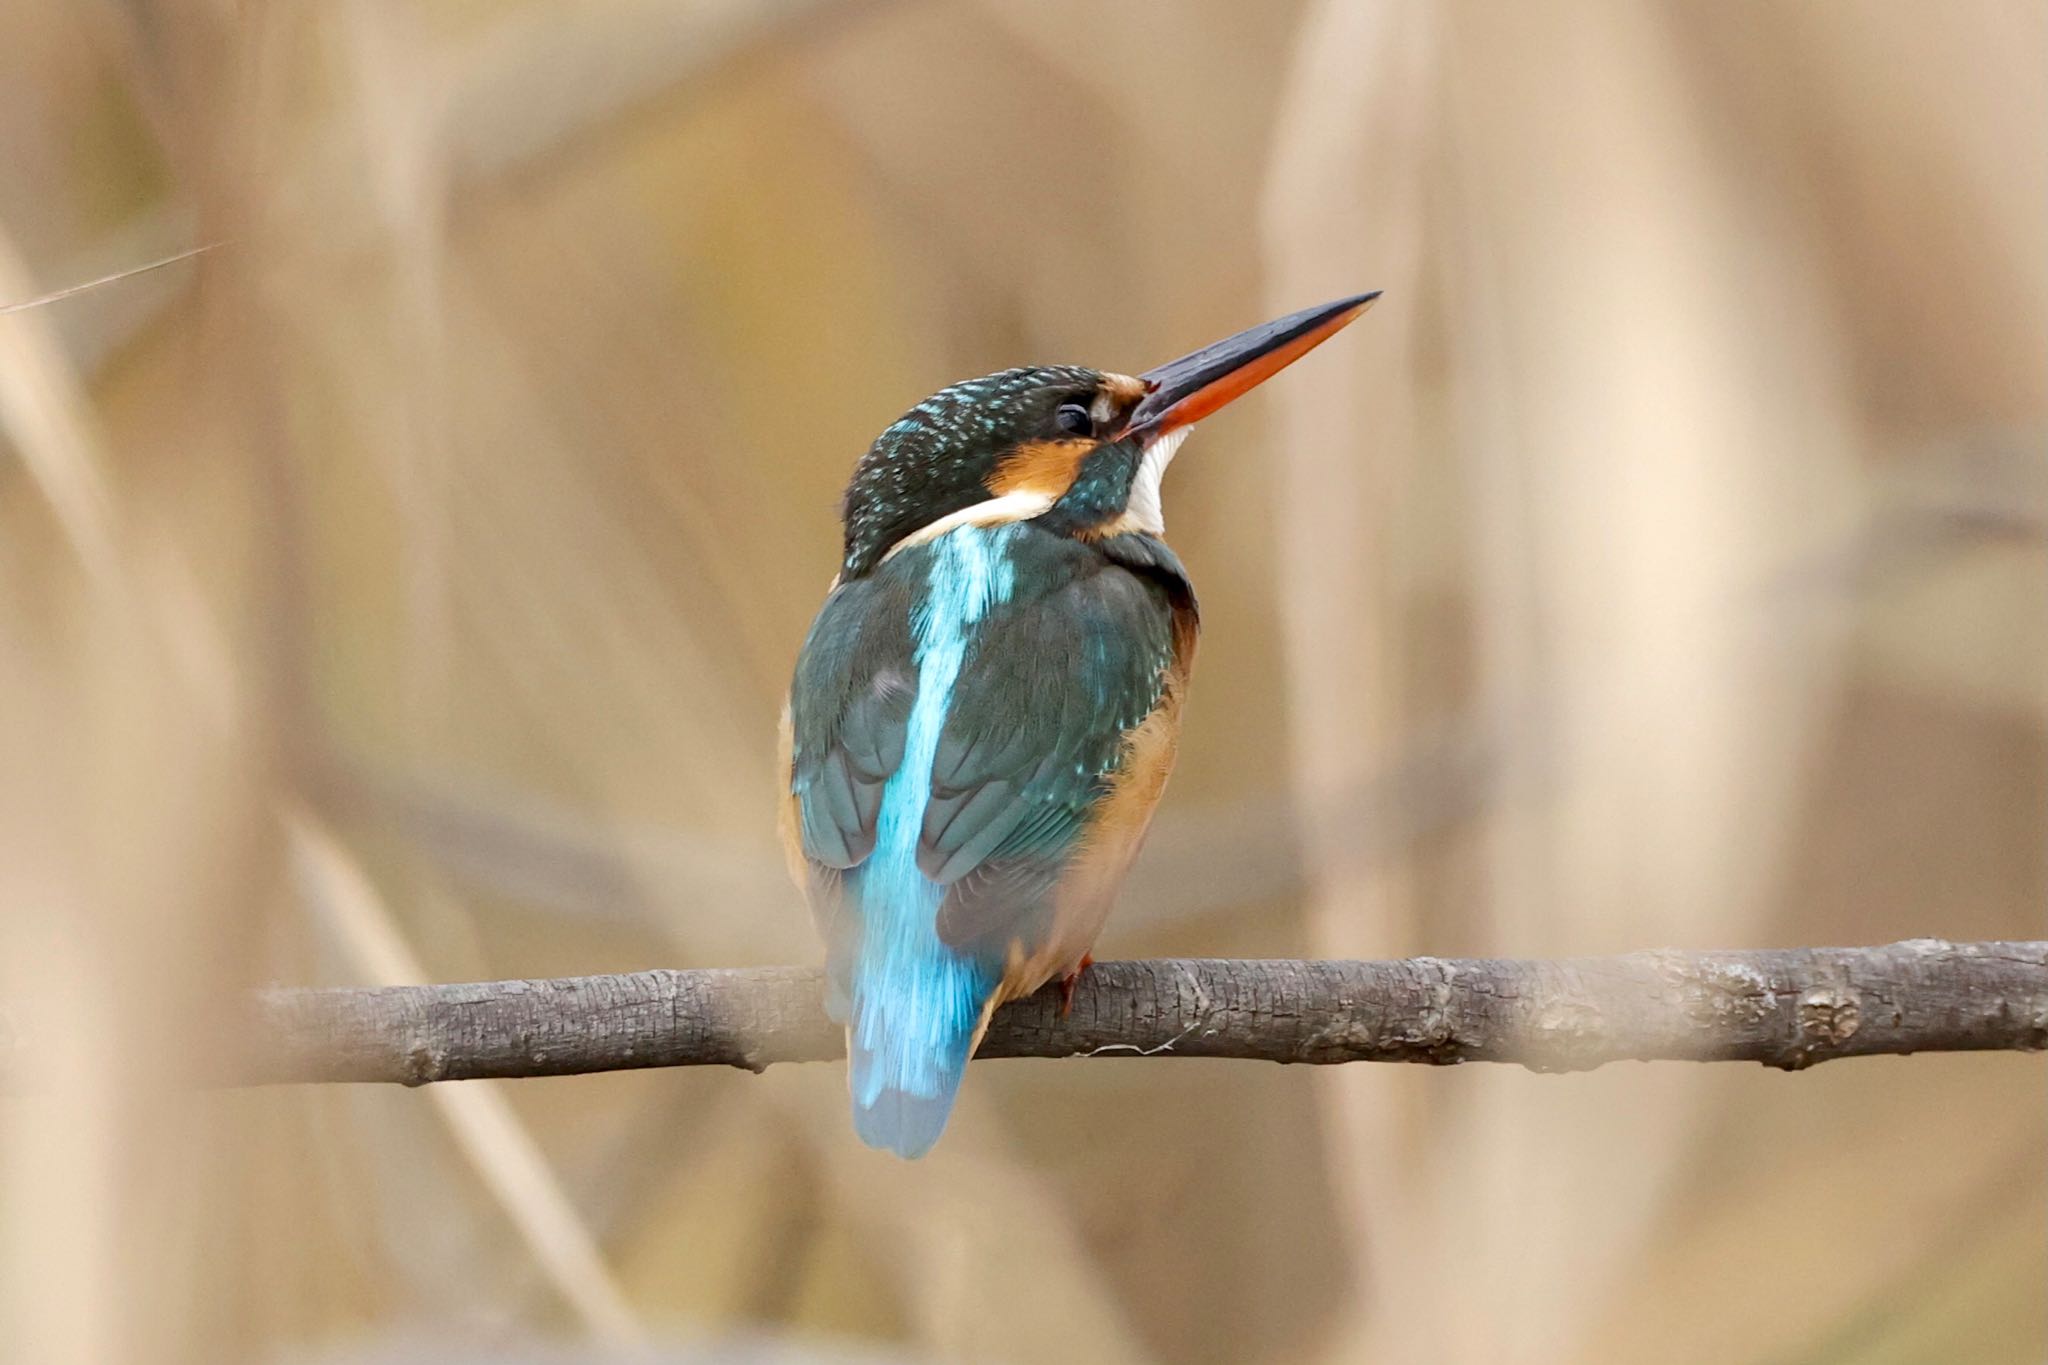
1785 1008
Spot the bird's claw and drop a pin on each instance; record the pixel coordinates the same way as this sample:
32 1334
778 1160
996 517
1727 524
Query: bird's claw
1069 982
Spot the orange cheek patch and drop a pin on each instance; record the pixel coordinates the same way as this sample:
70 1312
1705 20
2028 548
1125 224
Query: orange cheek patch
1046 467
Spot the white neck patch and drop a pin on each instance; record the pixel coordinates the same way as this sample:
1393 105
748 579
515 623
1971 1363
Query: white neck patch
1144 510
1018 506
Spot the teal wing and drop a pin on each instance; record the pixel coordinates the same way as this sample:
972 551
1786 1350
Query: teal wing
1034 734
849 705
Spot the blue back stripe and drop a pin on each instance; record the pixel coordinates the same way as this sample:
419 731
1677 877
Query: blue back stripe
916 1002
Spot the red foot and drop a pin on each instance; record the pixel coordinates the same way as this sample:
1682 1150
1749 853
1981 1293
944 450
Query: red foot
1071 980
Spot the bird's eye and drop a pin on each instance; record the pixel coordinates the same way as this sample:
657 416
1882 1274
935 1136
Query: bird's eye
1074 419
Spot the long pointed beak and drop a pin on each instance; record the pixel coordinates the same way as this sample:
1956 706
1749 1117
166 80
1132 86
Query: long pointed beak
1185 391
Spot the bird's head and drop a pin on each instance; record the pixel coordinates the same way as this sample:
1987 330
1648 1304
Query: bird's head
1082 450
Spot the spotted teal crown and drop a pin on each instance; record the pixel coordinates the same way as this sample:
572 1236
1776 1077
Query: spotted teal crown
938 457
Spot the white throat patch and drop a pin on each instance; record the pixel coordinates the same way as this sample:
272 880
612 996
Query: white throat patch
1144 510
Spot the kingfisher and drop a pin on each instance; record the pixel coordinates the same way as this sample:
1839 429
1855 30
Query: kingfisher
987 706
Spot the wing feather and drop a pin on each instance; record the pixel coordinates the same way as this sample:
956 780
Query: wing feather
849 712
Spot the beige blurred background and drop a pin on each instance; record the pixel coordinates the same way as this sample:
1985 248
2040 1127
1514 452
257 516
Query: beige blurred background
405 589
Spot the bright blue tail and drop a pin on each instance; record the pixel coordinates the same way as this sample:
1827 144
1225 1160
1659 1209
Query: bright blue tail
894 1118
915 1013
914 1008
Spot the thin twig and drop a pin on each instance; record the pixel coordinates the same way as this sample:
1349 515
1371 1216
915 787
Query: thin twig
115 278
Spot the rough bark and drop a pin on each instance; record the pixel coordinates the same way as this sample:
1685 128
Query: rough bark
1785 1008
